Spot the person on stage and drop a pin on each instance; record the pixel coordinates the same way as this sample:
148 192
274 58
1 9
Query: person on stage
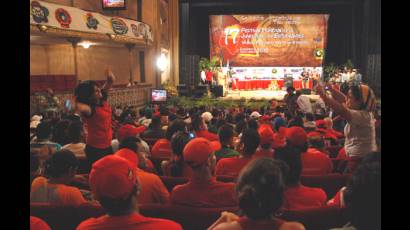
305 79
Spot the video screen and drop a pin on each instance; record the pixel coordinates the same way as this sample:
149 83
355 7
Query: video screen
158 95
113 4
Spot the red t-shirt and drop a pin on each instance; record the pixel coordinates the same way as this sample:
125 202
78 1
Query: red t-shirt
231 166
208 75
207 135
161 149
301 197
38 224
264 153
206 194
315 162
133 221
153 190
99 130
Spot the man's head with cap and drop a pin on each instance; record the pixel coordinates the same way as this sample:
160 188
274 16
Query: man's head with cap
199 152
114 183
266 136
296 136
129 131
316 140
255 115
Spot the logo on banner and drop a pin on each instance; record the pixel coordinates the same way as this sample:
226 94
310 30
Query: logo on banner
63 17
319 53
119 26
134 29
92 22
274 71
39 12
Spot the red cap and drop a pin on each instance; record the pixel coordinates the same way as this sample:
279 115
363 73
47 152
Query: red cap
216 145
279 139
129 131
321 124
296 136
314 134
128 155
113 177
197 151
266 134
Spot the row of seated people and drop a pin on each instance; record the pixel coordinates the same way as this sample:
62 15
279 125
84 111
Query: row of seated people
260 194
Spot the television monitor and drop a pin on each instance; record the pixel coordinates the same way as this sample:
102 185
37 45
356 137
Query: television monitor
113 4
158 95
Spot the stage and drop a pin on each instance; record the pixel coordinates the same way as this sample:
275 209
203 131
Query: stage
260 94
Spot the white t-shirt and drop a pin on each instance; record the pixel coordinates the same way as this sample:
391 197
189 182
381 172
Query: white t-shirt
360 134
77 149
304 104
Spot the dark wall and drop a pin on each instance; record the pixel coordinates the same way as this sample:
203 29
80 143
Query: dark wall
353 27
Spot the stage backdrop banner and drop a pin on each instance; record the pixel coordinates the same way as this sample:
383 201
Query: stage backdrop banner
71 18
282 40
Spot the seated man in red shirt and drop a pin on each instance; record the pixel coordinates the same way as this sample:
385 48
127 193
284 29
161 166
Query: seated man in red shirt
201 129
314 161
266 136
203 190
232 166
115 184
162 148
297 196
153 190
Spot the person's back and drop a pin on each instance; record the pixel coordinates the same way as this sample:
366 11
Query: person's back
231 166
203 190
154 130
59 194
153 190
161 149
42 145
300 197
315 162
225 135
304 104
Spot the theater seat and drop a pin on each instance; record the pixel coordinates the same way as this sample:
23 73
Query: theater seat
330 183
318 218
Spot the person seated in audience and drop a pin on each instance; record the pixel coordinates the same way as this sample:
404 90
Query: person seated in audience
134 143
216 116
176 166
38 224
129 130
60 170
162 147
226 135
362 195
201 130
202 190
153 191
76 137
253 124
232 166
42 144
266 140
259 190
207 117
296 121
277 123
296 195
163 115
34 121
357 109
146 120
114 182
60 134
34 167
314 160
154 130
328 125
309 124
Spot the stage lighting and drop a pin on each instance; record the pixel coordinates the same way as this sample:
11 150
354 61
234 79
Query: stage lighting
85 44
162 62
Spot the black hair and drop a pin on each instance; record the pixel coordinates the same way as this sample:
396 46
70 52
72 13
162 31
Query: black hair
220 123
43 130
253 124
215 113
130 143
118 207
178 142
60 163
229 118
175 126
225 134
363 194
240 126
250 139
260 188
85 92
196 123
155 122
60 132
239 118
296 121
74 131
291 156
163 111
